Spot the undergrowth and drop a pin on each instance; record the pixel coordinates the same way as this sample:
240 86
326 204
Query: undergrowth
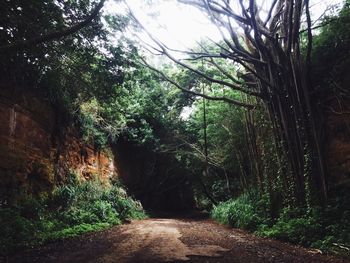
327 229
69 211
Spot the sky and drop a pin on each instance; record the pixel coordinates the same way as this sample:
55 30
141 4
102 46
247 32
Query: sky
181 26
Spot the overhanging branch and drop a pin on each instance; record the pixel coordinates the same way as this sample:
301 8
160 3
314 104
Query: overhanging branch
165 51
54 35
225 99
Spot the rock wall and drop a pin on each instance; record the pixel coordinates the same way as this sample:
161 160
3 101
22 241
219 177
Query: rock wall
338 142
33 158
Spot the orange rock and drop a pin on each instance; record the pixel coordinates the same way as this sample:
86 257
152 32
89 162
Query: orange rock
29 150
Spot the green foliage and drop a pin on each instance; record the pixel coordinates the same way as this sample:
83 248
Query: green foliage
246 212
225 141
326 229
69 211
335 221
16 230
76 230
315 229
27 20
301 230
86 86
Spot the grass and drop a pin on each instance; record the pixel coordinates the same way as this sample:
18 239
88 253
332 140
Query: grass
247 211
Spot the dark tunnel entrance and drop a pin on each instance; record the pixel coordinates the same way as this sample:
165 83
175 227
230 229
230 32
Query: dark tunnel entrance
150 179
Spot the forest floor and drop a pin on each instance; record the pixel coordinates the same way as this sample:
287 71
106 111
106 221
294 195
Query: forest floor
171 240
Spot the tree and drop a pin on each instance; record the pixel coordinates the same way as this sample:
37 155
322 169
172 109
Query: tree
37 36
45 37
265 45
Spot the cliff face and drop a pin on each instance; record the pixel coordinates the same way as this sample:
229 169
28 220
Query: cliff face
338 142
33 158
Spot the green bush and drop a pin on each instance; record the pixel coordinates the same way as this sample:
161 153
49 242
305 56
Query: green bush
69 211
63 196
245 212
15 230
302 230
315 229
323 228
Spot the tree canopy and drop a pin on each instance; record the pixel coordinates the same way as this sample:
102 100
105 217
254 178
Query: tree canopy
236 126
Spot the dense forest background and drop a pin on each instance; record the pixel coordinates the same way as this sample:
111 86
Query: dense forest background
254 132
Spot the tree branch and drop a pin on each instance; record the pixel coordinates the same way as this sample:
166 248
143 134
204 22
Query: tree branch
199 73
225 99
55 34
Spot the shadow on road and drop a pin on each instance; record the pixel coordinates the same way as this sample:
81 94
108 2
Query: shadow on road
186 215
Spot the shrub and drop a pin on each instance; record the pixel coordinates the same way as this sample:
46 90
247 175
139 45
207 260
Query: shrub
244 212
69 211
63 196
301 230
76 230
317 229
15 230
327 229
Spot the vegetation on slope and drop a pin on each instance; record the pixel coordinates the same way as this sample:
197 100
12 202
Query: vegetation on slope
326 229
70 210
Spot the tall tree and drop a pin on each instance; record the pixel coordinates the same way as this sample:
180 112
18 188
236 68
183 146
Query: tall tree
266 45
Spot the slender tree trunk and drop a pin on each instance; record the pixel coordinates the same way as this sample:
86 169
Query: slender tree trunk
206 161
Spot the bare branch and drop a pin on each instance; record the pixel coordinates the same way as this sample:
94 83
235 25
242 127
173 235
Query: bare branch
199 73
329 21
270 12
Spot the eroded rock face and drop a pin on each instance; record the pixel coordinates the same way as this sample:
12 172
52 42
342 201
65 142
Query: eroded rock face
33 158
338 142
84 160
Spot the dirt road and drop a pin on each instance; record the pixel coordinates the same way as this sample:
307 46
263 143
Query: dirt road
171 240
